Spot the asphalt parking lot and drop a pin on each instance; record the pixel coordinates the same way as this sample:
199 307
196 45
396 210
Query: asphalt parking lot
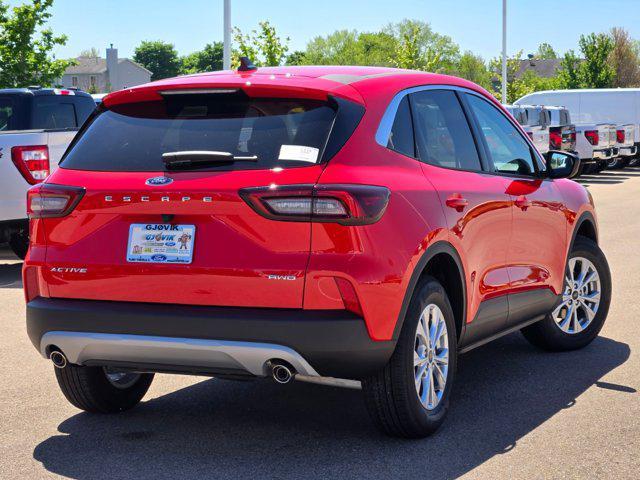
517 412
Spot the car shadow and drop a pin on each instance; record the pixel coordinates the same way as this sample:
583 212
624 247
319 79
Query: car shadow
10 273
258 429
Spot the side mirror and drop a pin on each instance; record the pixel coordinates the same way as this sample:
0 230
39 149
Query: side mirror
562 164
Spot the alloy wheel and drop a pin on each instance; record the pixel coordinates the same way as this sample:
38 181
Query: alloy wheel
581 297
431 356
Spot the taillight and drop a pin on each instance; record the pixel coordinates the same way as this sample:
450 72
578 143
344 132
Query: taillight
620 136
343 204
49 200
32 162
592 136
555 140
573 137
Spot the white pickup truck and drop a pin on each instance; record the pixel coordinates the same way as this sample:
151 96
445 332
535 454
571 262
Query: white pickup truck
531 119
625 147
36 126
595 145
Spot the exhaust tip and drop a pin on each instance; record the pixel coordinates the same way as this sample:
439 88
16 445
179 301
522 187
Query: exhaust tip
281 373
58 359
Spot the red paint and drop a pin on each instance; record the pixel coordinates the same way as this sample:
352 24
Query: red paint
510 234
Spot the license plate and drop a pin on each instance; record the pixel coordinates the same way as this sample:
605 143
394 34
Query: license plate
160 243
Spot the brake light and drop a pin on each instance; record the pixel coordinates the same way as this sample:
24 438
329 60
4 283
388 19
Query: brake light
343 204
573 137
555 140
620 136
49 200
32 162
592 136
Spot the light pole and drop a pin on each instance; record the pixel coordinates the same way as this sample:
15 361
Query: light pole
504 51
226 51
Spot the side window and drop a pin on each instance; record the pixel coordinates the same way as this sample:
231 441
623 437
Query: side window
401 137
442 133
50 113
508 151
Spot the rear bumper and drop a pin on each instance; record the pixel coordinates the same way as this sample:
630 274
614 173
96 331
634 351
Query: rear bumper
627 151
194 339
604 154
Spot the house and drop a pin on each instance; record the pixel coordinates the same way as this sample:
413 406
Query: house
97 75
545 68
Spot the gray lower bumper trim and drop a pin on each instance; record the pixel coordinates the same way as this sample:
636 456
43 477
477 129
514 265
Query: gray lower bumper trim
80 347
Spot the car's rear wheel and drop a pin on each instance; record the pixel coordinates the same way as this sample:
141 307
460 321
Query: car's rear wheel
634 161
410 397
102 390
579 317
614 163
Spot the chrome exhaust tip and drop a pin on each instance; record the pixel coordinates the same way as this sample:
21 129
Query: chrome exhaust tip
281 373
58 359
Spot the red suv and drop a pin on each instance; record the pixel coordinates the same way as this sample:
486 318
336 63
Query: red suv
349 226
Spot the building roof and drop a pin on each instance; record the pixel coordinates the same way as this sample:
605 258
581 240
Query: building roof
95 65
543 68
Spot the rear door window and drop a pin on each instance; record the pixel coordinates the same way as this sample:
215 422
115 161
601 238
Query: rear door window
53 113
133 137
442 132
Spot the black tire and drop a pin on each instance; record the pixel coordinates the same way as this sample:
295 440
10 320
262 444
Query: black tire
88 389
547 335
390 395
600 166
19 243
634 161
614 163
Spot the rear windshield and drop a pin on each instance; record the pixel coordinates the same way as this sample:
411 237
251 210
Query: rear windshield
133 137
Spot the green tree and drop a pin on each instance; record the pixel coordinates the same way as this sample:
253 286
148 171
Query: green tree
26 45
514 86
569 71
624 59
595 71
159 57
296 58
348 47
209 59
419 47
545 52
262 46
473 68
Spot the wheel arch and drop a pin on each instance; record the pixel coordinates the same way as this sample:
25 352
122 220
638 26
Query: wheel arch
585 226
441 261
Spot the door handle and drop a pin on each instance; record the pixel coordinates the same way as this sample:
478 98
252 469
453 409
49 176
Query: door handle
522 203
457 201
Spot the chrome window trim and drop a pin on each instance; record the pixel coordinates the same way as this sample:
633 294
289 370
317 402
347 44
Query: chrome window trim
388 117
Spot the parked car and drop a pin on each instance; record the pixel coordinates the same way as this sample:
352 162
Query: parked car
626 150
533 122
353 226
36 125
617 106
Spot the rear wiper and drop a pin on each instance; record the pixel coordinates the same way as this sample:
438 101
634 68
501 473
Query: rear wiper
201 158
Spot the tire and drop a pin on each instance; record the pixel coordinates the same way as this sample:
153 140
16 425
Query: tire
615 163
600 166
634 162
391 396
89 389
547 334
19 244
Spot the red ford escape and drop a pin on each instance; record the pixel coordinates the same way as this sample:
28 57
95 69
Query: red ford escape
346 226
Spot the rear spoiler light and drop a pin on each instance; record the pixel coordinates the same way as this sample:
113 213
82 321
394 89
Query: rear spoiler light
342 204
32 162
49 200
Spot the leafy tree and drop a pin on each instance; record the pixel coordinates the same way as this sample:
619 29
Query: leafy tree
159 57
92 52
208 59
419 47
473 68
26 45
545 52
595 71
569 76
348 47
296 58
262 46
624 59
514 86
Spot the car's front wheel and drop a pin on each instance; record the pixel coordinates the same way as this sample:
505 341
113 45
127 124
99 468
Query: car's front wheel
410 397
579 317
102 390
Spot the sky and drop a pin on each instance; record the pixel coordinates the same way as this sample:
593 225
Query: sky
474 24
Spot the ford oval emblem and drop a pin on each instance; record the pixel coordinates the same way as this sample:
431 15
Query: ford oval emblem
159 181
158 258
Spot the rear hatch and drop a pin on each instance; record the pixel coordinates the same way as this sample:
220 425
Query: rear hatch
162 220
607 136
